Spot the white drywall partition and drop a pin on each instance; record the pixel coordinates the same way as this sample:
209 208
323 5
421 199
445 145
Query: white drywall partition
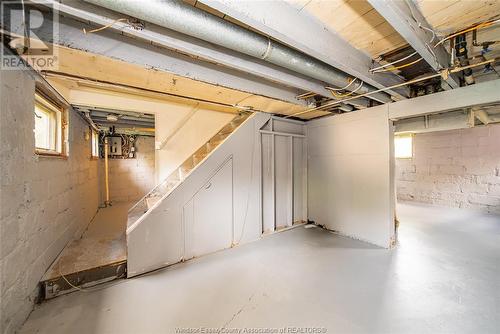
170 232
283 174
350 181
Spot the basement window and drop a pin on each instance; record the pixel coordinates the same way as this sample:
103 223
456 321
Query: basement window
403 146
95 144
48 127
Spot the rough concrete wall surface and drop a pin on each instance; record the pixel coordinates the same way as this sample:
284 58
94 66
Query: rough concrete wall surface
457 168
45 201
130 179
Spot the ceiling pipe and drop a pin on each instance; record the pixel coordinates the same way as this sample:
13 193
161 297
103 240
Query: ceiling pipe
346 107
181 17
482 116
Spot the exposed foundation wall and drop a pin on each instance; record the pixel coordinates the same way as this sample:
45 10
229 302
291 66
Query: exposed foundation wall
457 168
131 179
45 202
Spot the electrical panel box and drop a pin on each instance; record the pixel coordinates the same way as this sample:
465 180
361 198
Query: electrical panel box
115 146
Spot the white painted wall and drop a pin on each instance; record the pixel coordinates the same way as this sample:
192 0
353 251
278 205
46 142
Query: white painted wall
456 168
45 202
131 179
350 169
284 174
194 132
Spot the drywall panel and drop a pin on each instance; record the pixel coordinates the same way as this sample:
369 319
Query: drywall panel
267 184
288 126
350 187
283 180
213 225
194 128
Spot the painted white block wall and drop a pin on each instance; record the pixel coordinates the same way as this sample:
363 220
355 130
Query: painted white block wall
131 179
350 169
44 201
457 168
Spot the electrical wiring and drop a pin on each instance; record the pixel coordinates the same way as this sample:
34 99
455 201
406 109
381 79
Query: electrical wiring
429 48
442 73
104 27
338 95
392 63
476 27
25 28
398 67
428 29
306 95
343 88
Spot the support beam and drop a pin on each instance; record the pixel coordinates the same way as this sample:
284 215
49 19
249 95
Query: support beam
189 45
288 25
407 20
430 123
463 97
116 46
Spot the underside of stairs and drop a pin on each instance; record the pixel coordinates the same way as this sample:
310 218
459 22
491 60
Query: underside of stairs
162 190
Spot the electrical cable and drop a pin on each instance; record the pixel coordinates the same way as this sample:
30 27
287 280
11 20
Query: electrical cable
410 6
476 27
343 88
428 29
104 27
398 67
392 63
442 73
337 95
25 29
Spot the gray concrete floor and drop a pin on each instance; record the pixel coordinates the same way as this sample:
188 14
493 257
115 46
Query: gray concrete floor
444 277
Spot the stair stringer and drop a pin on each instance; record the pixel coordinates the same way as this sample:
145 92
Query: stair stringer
158 239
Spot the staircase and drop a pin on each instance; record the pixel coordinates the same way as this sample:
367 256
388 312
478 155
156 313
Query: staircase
164 188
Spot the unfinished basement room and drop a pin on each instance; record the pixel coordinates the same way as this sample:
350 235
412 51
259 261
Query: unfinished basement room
249 166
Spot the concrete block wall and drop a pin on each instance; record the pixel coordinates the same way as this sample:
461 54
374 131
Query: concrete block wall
456 168
44 201
131 179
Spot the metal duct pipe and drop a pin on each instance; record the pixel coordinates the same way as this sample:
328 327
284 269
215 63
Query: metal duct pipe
106 172
346 107
181 17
